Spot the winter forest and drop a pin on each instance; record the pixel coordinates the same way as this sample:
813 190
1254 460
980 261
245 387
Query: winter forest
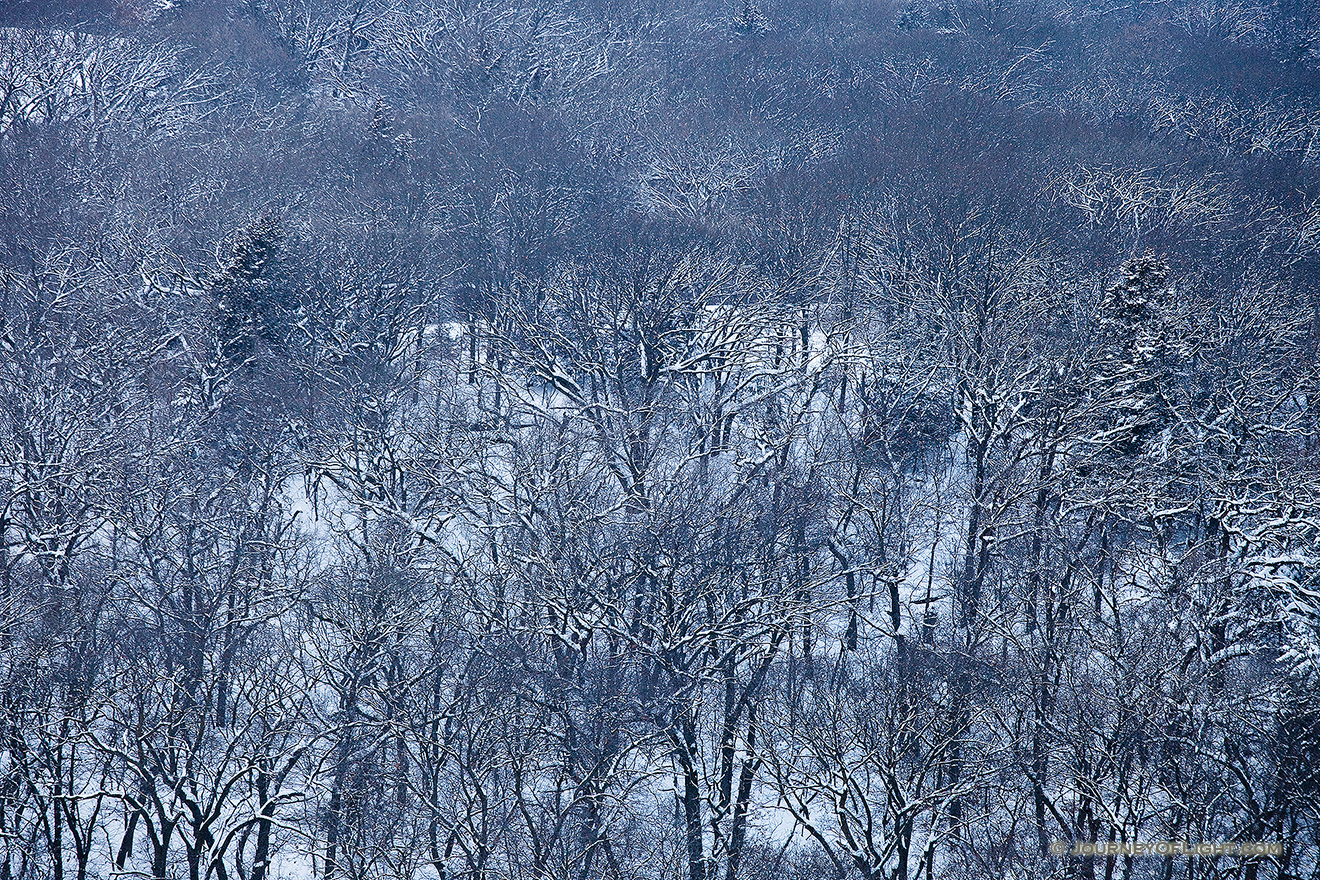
658 439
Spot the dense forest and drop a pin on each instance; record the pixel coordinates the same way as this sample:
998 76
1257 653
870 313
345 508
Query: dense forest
675 439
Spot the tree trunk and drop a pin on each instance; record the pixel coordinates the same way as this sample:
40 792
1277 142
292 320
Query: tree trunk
687 759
